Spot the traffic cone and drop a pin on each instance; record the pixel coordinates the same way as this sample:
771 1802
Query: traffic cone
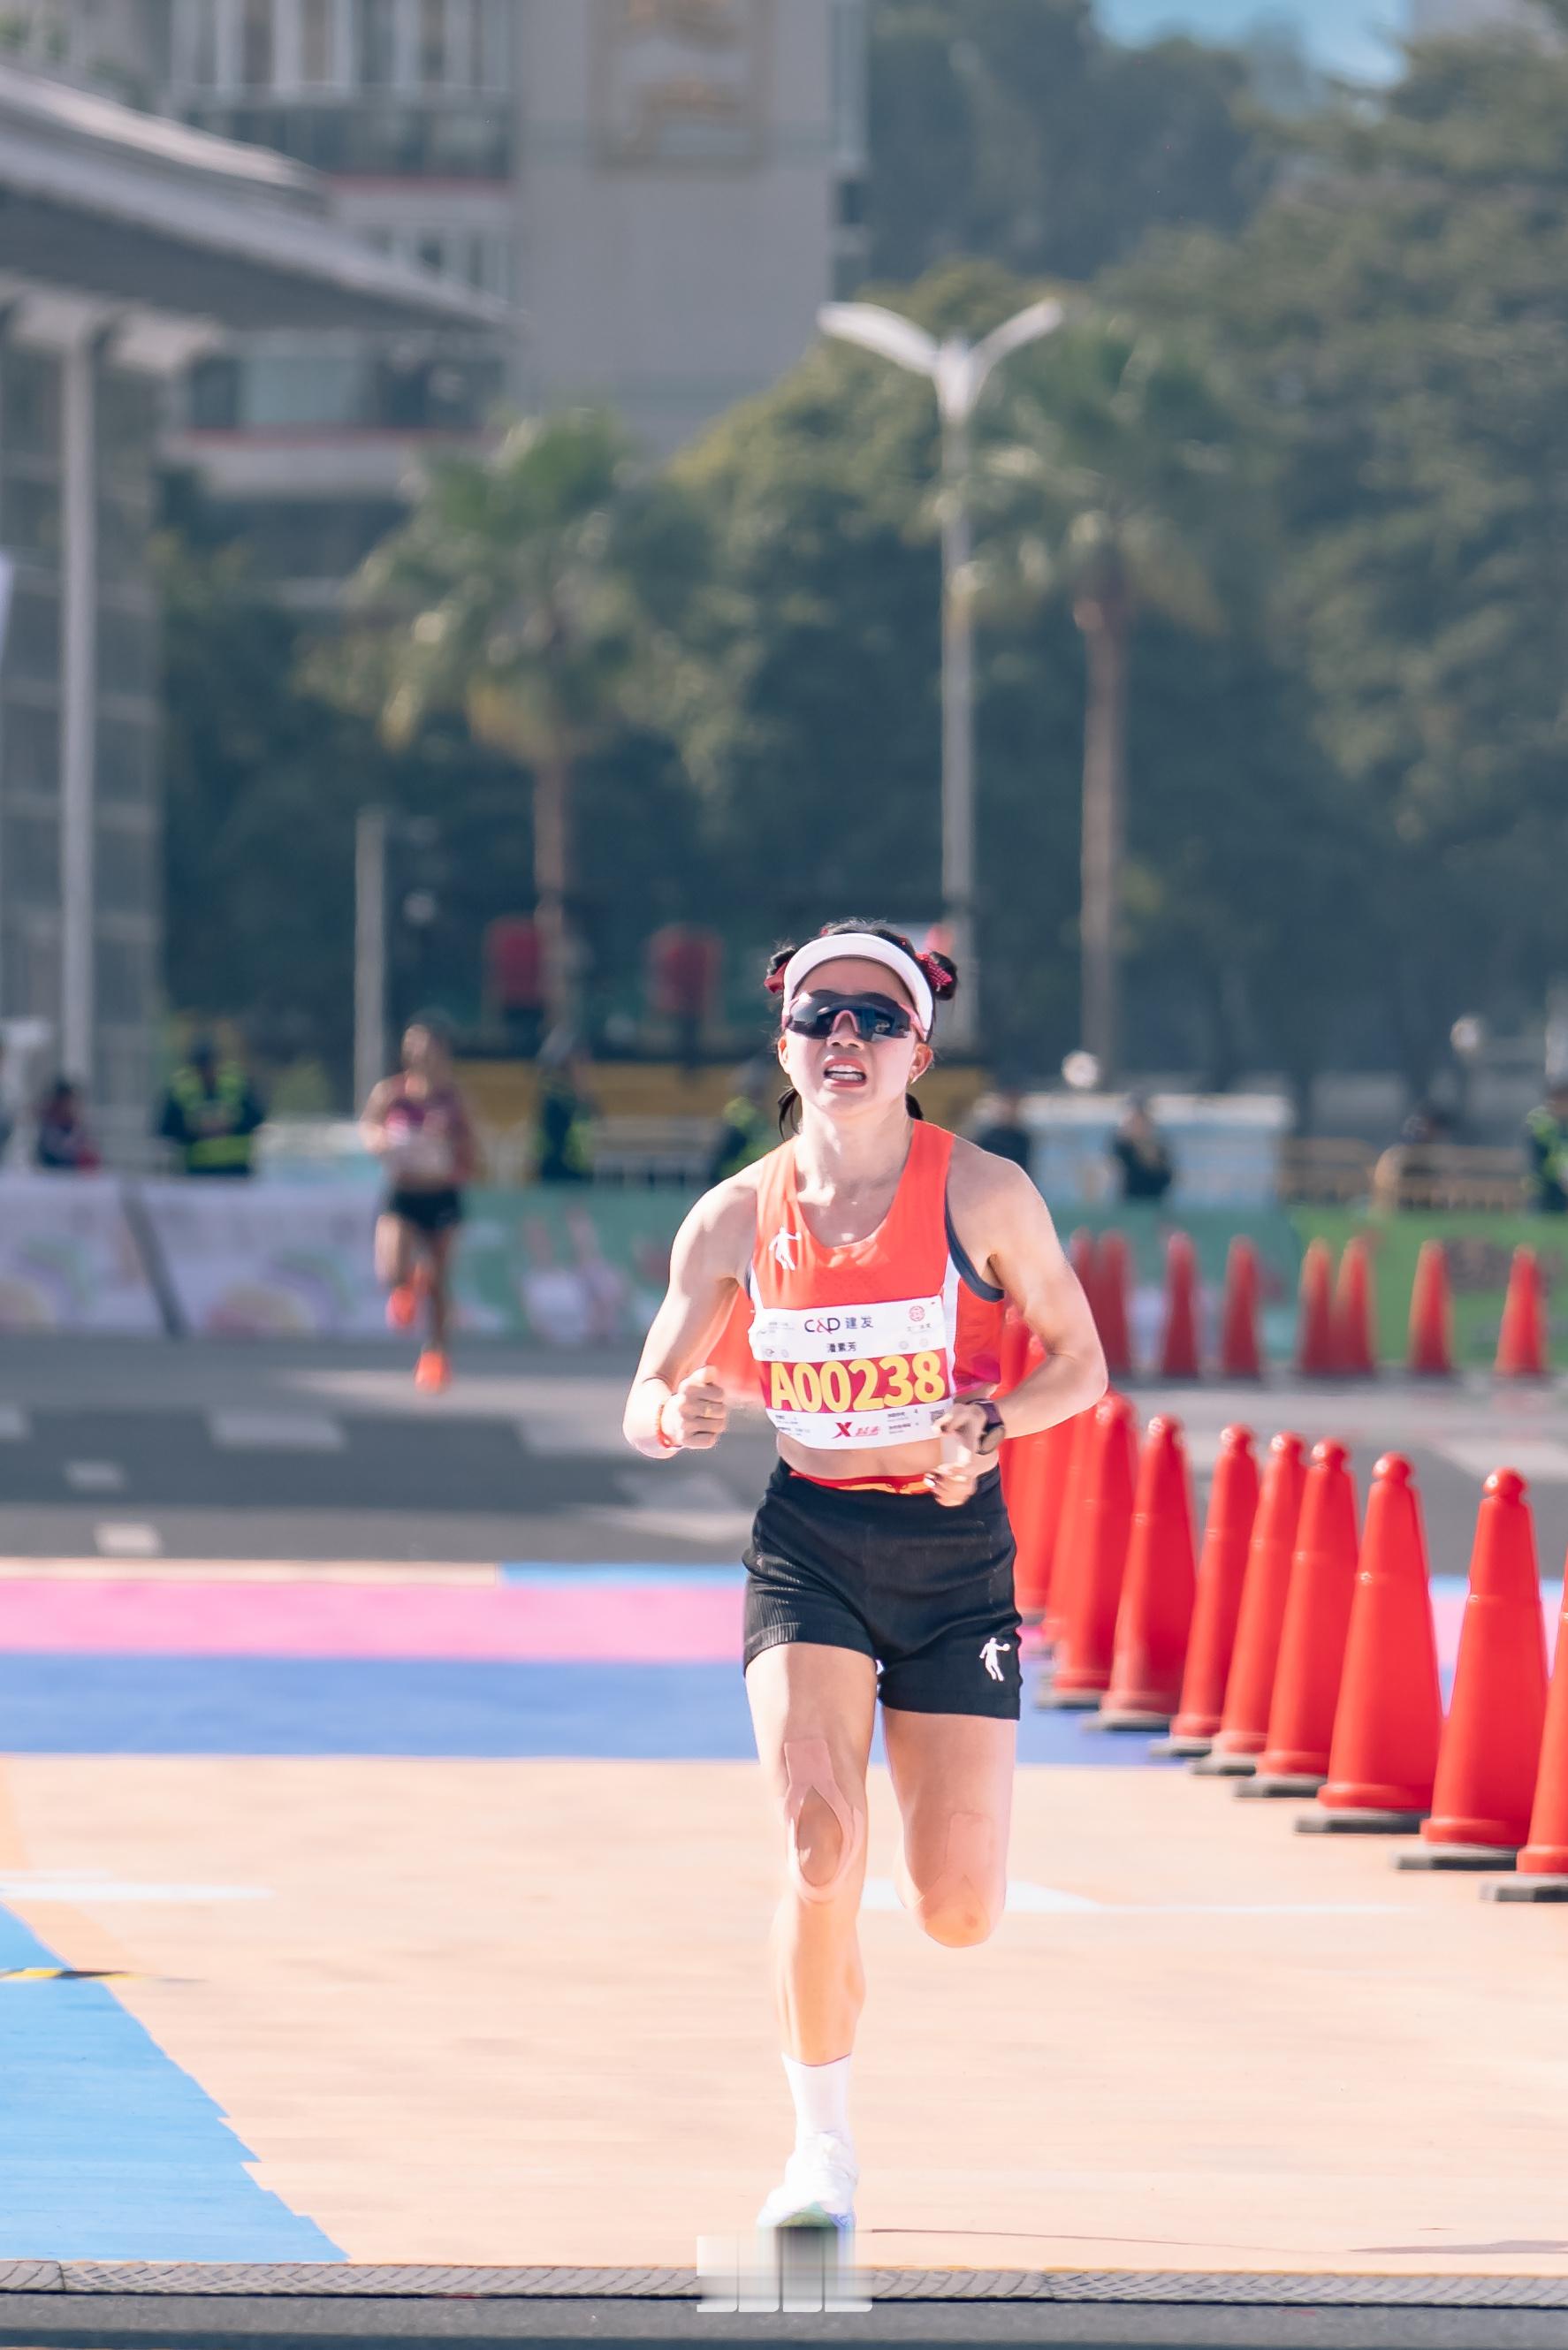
1096 1543
1543 1863
1011 1366
1354 1345
1431 1351
1315 1316
1241 1350
1179 1345
1083 1251
1111 1306
1064 1472
1522 1344
1389 1719
1222 1572
1491 1742
1156 1611
1243 1731
1035 1508
1312 1639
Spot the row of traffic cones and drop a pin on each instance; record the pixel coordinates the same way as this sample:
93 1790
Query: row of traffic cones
1335 1329
1301 1658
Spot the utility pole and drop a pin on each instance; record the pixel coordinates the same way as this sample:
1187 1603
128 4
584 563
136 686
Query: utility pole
369 952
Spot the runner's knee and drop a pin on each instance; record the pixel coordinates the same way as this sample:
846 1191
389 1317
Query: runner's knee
827 1828
950 1880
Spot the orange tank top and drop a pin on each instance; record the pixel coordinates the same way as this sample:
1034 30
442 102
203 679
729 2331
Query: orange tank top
866 1345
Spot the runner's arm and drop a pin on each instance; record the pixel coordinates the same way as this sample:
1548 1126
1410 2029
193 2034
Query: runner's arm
998 1204
710 1250
373 1119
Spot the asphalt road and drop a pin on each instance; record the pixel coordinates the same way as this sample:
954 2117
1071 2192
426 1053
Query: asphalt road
147 1449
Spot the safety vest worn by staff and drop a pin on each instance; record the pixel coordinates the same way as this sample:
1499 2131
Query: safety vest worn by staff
215 1142
1548 1141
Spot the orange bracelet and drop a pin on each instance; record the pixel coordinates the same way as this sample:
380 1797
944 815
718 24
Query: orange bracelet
665 1443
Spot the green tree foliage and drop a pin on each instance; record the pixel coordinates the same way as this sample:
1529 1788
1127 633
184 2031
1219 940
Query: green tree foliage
521 596
1401 322
1013 129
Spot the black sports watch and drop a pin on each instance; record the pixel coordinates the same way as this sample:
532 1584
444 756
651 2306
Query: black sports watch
989 1440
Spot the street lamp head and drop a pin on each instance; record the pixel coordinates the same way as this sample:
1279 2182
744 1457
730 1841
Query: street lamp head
885 332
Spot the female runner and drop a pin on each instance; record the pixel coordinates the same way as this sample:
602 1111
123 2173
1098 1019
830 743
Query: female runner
877 1254
418 1124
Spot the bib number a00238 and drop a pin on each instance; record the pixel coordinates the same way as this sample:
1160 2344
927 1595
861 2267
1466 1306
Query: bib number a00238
844 1376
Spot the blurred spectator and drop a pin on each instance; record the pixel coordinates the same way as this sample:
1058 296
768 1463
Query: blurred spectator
1546 1142
1004 1132
62 1142
1140 1148
746 1132
211 1113
1411 1173
563 1124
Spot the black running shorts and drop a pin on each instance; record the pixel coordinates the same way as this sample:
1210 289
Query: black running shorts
925 1591
428 1211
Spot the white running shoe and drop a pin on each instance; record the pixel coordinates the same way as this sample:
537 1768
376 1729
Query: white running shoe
818 2189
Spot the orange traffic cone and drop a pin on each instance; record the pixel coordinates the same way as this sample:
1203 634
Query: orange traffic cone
1543 1863
1083 1251
1390 1719
1096 1552
1491 1742
1179 1345
1064 1471
1156 1611
1431 1352
1312 1638
1111 1309
1243 1731
1522 1347
1013 1363
1354 1345
1315 1320
1241 1350
1221 1573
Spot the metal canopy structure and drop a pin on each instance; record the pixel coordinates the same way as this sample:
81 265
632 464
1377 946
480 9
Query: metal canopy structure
110 203
129 247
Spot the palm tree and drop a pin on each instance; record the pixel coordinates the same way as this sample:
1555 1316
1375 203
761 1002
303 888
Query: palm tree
521 593
1117 458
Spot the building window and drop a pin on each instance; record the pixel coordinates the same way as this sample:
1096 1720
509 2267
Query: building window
286 391
432 43
32 749
492 45
316 63
126 770
124 882
849 80
33 637
256 45
378 43
30 403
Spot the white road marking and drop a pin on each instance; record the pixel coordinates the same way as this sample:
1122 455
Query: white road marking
1536 1457
275 1431
680 1506
95 1476
127 1542
13 1424
881 1893
86 1886
559 1428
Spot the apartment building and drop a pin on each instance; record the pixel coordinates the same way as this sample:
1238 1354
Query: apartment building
666 190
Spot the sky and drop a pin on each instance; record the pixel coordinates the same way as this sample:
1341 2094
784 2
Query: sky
1347 36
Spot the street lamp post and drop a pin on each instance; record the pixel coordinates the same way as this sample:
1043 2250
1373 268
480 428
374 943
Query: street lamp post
957 371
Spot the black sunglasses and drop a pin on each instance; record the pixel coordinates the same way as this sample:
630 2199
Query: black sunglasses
874 1017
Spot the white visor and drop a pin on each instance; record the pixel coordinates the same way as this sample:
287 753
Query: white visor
861 946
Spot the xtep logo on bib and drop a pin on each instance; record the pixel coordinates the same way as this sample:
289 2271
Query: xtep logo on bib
991 1654
782 1248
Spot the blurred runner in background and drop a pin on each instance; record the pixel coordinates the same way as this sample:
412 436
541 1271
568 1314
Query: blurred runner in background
418 1124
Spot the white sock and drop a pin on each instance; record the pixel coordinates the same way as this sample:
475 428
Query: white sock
821 2094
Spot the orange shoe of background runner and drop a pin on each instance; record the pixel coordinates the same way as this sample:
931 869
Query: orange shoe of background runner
402 1304
432 1372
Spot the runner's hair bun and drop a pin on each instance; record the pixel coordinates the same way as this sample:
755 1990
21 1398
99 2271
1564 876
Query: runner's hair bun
941 970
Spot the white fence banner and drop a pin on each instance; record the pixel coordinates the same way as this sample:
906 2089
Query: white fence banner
68 1258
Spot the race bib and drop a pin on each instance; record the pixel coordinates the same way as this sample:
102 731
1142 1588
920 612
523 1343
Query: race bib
849 1378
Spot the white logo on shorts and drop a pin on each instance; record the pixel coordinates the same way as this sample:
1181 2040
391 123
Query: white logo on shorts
993 1650
782 1248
